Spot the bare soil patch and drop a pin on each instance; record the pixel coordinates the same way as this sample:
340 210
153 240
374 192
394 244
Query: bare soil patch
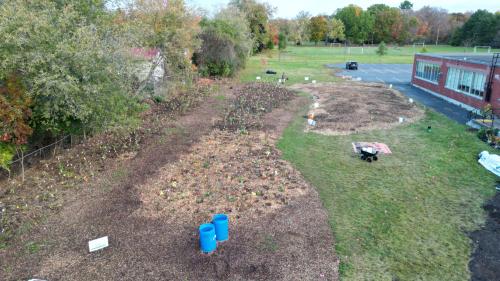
278 231
485 260
350 107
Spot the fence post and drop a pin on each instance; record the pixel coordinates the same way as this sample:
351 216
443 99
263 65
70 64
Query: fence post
19 150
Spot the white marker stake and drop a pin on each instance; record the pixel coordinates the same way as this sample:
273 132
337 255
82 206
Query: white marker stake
306 78
401 119
411 100
98 244
314 81
258 77
390 86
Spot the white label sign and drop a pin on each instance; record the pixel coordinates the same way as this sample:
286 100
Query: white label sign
306 78
314 81
98 244
258 78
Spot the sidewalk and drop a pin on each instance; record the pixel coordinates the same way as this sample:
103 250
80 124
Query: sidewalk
452 111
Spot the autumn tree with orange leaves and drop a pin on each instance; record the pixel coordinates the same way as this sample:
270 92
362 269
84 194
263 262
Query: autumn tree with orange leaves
15 113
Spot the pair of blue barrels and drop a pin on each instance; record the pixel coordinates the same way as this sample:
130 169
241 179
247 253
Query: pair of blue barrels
211 233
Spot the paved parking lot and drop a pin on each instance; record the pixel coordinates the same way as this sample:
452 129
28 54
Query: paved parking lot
400 76
384 73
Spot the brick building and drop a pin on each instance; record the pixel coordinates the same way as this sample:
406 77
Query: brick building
470 81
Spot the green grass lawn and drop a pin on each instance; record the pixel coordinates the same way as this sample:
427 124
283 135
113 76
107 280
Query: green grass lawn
299 62
405 217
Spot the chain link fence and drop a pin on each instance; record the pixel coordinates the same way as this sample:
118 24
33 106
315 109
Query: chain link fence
22 161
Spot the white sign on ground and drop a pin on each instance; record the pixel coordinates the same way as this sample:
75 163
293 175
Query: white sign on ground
258 77
98 244
306 78
314 81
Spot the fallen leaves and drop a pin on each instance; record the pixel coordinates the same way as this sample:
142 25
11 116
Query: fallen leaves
250 103
246 177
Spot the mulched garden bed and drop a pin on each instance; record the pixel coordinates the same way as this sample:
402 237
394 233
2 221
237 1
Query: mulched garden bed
350 107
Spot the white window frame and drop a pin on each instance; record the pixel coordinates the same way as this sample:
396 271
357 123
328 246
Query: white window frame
435 71
455 76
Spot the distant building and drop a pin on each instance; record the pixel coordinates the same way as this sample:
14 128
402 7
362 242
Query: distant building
470 81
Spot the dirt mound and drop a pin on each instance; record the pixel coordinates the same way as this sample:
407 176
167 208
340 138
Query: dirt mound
349 107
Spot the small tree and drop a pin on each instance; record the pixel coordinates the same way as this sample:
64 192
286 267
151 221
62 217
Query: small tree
382 49
270 43
318 28
282 41
406 5
336 29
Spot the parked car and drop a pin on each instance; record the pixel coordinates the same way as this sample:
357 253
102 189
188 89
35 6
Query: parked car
351 65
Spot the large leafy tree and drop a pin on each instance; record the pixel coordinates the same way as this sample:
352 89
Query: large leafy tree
385 18
299 32
358 23
392 25
336 29
434 23
480 29
318 28
226 44
169 28
257 14
69 63
406 5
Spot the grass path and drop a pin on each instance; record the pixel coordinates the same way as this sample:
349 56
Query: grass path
406 216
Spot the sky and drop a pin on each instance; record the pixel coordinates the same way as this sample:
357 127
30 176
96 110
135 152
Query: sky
290 8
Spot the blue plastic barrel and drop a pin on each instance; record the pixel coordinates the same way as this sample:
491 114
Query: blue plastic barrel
221 221
208 243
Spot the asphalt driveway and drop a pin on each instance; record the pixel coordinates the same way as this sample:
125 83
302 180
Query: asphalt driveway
384 73
400 76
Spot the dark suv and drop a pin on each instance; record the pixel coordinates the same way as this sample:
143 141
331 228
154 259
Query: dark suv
351 65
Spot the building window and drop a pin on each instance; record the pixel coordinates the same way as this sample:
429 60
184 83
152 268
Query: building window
466 81
428 71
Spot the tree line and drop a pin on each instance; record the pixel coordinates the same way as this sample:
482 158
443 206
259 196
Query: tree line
79 67
400 25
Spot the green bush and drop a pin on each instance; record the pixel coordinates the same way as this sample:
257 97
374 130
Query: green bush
75 74
482 135
226 44
270 44
7 152
382 49
282 41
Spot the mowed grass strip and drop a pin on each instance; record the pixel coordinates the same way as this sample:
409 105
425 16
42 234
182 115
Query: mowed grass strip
405 217
298 62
